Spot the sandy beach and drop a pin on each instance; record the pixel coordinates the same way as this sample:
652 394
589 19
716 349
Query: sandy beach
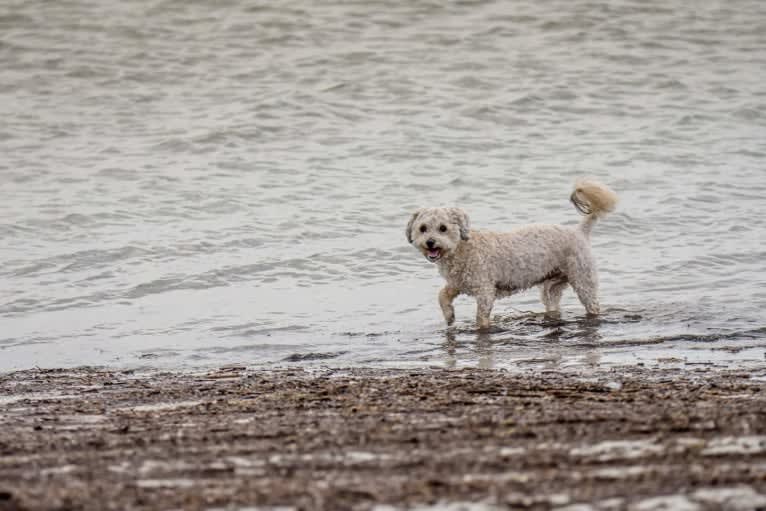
235 438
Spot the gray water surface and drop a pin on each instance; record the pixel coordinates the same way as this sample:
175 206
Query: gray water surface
188 183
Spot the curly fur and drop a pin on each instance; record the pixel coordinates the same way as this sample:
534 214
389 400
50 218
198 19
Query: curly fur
489 265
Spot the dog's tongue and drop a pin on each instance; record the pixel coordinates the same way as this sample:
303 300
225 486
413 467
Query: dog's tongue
434 252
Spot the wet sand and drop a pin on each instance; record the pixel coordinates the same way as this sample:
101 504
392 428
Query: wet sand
627 438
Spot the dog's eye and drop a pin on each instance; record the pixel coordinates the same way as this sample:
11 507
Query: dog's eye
443 228
423 228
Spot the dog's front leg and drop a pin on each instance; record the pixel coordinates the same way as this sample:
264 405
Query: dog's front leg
484 301
446 296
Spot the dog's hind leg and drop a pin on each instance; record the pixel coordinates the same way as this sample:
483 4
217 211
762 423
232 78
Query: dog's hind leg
584 281
550 293
446 295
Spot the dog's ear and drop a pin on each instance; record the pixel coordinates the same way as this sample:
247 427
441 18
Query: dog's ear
461 219
408 231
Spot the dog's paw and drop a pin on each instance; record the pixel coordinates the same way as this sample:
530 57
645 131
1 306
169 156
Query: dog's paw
483 325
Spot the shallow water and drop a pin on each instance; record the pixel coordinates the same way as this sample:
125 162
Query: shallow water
203 183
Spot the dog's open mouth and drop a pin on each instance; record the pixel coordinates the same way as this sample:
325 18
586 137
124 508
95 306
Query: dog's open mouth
433 254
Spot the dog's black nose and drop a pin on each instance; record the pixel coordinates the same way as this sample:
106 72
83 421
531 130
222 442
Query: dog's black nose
430 243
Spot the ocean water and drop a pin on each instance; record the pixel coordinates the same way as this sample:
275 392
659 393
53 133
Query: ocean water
188 183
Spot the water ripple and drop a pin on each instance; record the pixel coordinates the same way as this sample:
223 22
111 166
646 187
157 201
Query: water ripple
220 175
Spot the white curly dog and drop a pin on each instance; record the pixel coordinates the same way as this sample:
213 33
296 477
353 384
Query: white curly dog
490 265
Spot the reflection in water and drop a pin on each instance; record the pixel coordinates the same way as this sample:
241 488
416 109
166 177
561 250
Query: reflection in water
592 358
484 350
479 348
450 349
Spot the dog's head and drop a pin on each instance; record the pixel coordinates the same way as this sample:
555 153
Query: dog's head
436 232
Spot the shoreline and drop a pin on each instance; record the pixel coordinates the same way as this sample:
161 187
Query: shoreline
233 437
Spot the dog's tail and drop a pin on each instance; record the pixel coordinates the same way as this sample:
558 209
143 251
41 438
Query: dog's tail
594 200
